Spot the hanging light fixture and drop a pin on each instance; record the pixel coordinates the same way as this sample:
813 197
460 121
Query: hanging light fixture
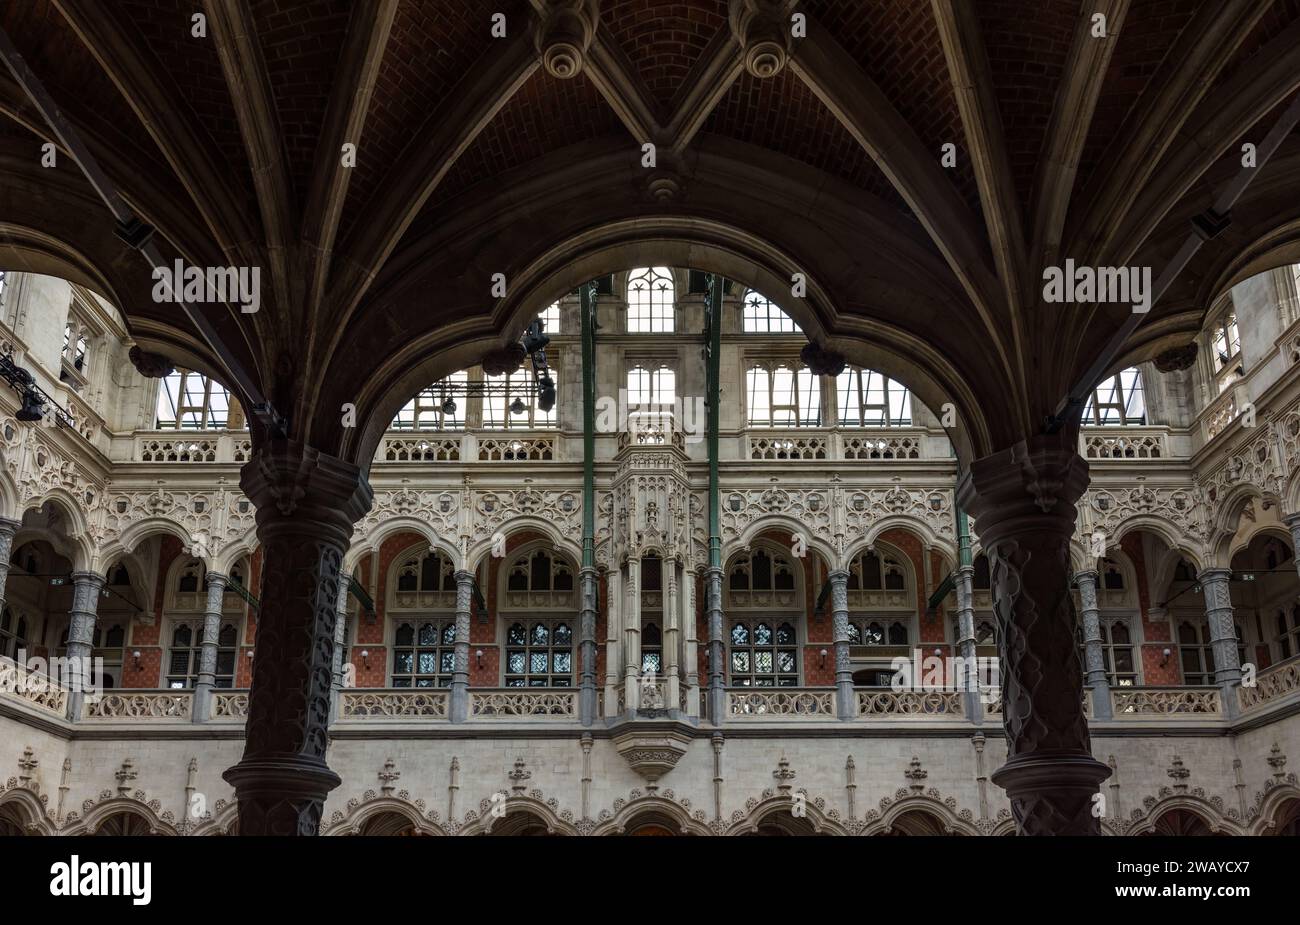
449 406
518 407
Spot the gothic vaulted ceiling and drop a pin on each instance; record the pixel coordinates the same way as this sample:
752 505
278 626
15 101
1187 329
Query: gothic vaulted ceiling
522 154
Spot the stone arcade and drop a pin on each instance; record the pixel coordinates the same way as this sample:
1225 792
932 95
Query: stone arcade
347 574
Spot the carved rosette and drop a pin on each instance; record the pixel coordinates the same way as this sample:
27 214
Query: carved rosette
307 503
564 34
762 27
1023 500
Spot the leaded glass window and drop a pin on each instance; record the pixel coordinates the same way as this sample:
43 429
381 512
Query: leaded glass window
870 571
539 653
1117 651
1196 653
652 649
186 647
424 653
867 631
764 654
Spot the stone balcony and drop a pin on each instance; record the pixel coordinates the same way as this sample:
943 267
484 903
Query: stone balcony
1276 693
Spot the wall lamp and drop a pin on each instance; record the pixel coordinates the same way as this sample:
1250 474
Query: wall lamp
478 655
365 658
136 655
1165 659
822 664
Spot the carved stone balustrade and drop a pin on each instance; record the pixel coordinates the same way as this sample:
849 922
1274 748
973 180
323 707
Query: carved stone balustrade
1271 685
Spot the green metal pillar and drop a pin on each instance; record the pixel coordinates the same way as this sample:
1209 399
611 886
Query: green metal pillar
587 575
717 696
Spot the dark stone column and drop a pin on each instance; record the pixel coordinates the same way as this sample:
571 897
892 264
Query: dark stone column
306 503
1023 501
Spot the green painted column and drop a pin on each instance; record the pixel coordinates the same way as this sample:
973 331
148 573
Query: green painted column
717 696
588 583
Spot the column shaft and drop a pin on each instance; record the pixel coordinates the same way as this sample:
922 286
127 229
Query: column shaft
589 591
845 708
7 530
1023 501
672 637
460 654
207 679
613 641
1093 657
81 679
338 679
717 649
1223 634
306 504
632 636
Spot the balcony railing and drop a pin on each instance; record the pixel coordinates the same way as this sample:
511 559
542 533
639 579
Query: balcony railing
1176 705
35 690
785 703
1271 685
1166 703
178 446
1123 443
141 705
511 702
888 703
379 703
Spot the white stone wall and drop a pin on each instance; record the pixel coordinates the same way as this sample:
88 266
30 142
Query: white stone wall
554 764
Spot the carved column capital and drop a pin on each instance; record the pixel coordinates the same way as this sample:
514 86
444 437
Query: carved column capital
291 482
564 34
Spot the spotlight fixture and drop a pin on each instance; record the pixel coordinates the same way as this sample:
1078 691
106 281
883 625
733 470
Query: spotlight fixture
33 408
545 392
534 339
36 403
